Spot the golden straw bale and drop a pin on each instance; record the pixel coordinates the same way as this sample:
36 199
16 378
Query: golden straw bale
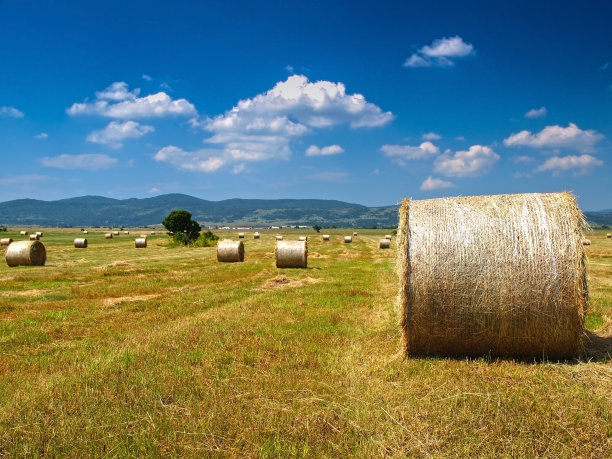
241 235
140 242
255 235
108 236
115 233
34 237
609 235
291 254
23 233
586 242
302 238
384 243
126 232
152 233
6 241
348 239
39 234
388 236
326 237
229 251
497 275
85 232
279 238
80 243
354 233
26 253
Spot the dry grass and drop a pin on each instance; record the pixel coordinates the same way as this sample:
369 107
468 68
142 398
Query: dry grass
167 352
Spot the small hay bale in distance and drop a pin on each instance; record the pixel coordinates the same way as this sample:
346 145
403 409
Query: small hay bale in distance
279 238
140 242
255 235
291 254
497 275
241 235
85 232
354 233
326 237
39 234
229 251
26 253
144 235
23 233
384 243
5 241
388 236
586 242
108 236
34 237
80 243
126 232
152 233
115 233
609 236
302 238
348 239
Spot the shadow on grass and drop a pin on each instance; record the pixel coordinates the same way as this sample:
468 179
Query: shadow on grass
597 348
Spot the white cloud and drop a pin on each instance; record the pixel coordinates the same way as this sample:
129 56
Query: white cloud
117 102
440 53
536 113
41 136
478 160
431 183
431 136
582 164
11 112
196 161
289 68
21 179
313 150
407 152
146 77
375 172
86 161
116 131
523 159
153 190
571 137
330 176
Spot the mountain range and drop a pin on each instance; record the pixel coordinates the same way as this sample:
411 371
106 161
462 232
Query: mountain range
108 212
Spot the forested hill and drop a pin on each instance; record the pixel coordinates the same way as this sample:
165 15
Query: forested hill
101 211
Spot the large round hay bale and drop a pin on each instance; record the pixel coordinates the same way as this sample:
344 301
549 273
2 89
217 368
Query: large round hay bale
279 238
26 253
388 236
586 242
302 238
255 235
23 233
492 275
326 237
140 242
39 234
241 235
291 254
348 239
80 243
384 243
5 241
229 251
108 236
34 237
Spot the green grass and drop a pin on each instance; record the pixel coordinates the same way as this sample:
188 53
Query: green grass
116 351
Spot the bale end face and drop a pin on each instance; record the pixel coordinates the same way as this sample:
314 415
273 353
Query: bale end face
291 254
26 253
229 251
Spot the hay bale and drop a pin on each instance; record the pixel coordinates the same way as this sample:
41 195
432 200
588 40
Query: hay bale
5 241
152 233
492 275
348 239
108 236
26 253
388 236
85 232
140 242
279 238
80 243
255 235
302 238
241 235
326 237
144 235
115 233
609 235
34 237
39 234
126 232
291 254
354 233
23 233
384 243
229 251
586 242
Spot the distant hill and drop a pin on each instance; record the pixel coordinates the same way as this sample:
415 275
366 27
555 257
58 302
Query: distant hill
601 217
101 211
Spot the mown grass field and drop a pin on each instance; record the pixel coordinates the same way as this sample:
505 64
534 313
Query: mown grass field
113 351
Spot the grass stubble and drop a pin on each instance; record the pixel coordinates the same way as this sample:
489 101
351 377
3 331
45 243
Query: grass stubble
111 351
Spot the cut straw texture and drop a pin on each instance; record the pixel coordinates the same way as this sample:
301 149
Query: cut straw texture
80 243
140 243
26 253
492 275
291 254
384 244
229 251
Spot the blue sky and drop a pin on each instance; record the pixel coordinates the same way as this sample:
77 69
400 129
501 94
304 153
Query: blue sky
365 102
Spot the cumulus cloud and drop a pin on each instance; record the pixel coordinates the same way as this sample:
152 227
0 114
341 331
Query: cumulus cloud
431 136
116 101
41 136
440 53
582 164
153 190
536 113
205 160
86 161
11 112
21 179
431 183
330 176
571 137
313 150
117 131
425 150
478 160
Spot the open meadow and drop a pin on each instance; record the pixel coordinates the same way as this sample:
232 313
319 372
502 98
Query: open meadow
112 351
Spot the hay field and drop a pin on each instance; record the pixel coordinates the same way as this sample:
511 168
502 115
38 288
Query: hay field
113 351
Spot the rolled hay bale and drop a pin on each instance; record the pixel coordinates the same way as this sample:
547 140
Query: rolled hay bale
291 254
26 253
80 243
348 239
34 237
23 233
279 238
586 242
108 236
140 242
229 251
126 232
354 233
326 237
39 234
241 235
609 235
255 235
5 241
388 236
302 238
384 243
492 275
115 233
144 235
85 232
152 233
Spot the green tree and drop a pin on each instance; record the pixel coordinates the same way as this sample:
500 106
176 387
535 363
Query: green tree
317 228
184 228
